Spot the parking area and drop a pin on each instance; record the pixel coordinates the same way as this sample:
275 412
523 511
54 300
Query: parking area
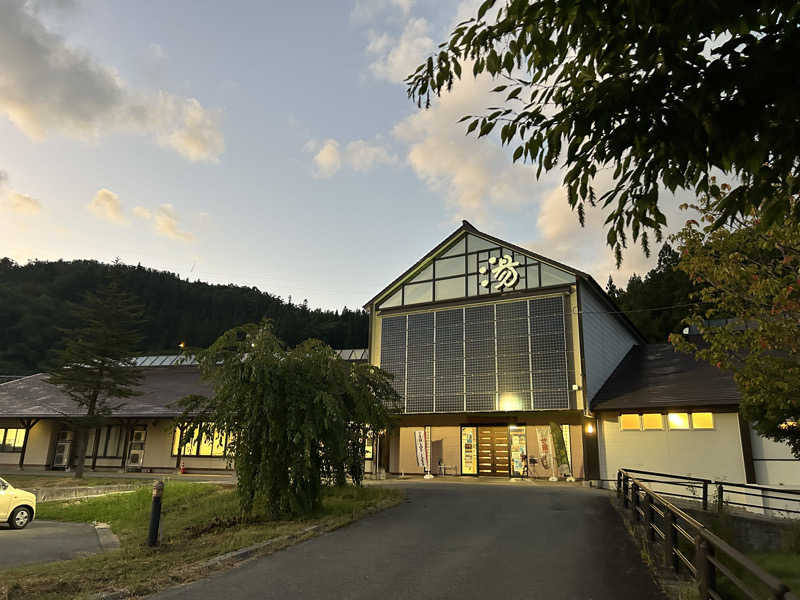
46 541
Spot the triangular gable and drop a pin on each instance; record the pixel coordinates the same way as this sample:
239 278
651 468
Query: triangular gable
469 264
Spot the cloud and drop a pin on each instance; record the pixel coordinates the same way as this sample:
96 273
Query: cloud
49 87
359 155
328 159
474 175
23 204
142 212
368 10
17 202
106 205
395 58
166 223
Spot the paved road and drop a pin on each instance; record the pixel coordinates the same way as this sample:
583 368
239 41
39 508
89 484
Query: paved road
46 541
455 541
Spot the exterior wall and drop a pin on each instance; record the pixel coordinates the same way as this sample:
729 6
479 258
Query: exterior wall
158 450
40 440
712 454
581 401
774 462
606 340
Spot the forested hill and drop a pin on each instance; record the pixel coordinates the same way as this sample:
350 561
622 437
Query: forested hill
35 301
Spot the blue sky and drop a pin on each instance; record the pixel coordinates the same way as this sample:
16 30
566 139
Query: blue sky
268 144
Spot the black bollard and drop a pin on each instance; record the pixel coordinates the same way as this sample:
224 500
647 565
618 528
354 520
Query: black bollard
155 513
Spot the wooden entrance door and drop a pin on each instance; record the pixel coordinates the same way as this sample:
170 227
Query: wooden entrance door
493 451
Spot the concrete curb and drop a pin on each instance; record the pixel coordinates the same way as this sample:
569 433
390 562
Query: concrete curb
108 540
55 494
244 553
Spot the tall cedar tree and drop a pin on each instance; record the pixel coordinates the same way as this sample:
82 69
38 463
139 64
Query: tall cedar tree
659 94
749 273
96 365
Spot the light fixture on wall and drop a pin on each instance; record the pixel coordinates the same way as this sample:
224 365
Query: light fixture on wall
589 428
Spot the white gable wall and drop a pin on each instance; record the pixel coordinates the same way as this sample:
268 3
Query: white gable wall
605 340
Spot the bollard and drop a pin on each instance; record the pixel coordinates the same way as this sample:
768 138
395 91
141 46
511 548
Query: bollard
155 513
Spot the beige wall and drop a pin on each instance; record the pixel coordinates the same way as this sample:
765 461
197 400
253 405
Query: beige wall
39 442
774 462
158 450
711 454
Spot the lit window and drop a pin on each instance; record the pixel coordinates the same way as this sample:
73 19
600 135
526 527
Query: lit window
206 445
678 420
219 443
629 422
652 421
13 440
704 420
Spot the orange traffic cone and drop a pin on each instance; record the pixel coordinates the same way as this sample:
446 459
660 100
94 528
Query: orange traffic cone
183 468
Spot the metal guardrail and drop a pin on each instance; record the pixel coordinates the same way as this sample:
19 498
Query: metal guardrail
734 491
688 545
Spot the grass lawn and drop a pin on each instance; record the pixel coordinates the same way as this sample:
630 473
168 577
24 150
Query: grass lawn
28 482
198 521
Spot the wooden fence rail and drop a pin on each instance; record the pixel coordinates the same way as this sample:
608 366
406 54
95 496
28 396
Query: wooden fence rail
688 546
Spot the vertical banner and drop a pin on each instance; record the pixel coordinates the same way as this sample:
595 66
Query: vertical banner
519 450
420 444
469 454
545 438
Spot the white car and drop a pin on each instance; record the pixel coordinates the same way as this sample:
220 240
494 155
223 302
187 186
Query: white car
17 507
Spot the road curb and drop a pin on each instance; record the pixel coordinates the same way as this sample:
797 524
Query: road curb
107 538
244 553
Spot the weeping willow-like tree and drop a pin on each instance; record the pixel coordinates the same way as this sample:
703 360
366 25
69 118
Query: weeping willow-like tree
297 419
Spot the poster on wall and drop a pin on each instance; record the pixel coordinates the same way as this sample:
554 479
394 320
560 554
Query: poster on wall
469 454
420 446
519 450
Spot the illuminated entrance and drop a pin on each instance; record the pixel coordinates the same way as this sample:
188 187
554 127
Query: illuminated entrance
494 451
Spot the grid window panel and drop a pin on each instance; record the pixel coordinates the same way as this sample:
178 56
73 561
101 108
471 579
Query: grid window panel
512 345
514 382
481 384
508 311
550 399
449 402
549 380
513 363
393 350
449 385
480 365
449 368
479 314
480 402
419 403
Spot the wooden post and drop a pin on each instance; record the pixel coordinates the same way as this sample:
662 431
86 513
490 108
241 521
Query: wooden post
28 424
648 516
95 448
720 492
706 572
705 495
625 490
669 539
619 483
635 499
127 431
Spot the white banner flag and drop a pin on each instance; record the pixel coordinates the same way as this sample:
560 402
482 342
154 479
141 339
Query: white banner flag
420 445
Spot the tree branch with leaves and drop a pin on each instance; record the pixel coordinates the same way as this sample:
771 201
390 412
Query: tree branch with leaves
661 93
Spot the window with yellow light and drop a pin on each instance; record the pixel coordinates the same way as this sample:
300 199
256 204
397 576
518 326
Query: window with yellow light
702 420
629 422
652 421
678 420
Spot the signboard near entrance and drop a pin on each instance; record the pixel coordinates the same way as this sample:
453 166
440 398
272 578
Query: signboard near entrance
469 451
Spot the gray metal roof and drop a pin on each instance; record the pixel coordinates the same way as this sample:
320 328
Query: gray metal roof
160 389
167 379
656 376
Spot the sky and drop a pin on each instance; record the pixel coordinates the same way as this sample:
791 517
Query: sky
266 144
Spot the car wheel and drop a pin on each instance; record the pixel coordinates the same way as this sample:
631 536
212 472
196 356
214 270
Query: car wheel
20 517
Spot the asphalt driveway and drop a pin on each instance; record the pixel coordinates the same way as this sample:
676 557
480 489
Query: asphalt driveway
457 541
46 541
